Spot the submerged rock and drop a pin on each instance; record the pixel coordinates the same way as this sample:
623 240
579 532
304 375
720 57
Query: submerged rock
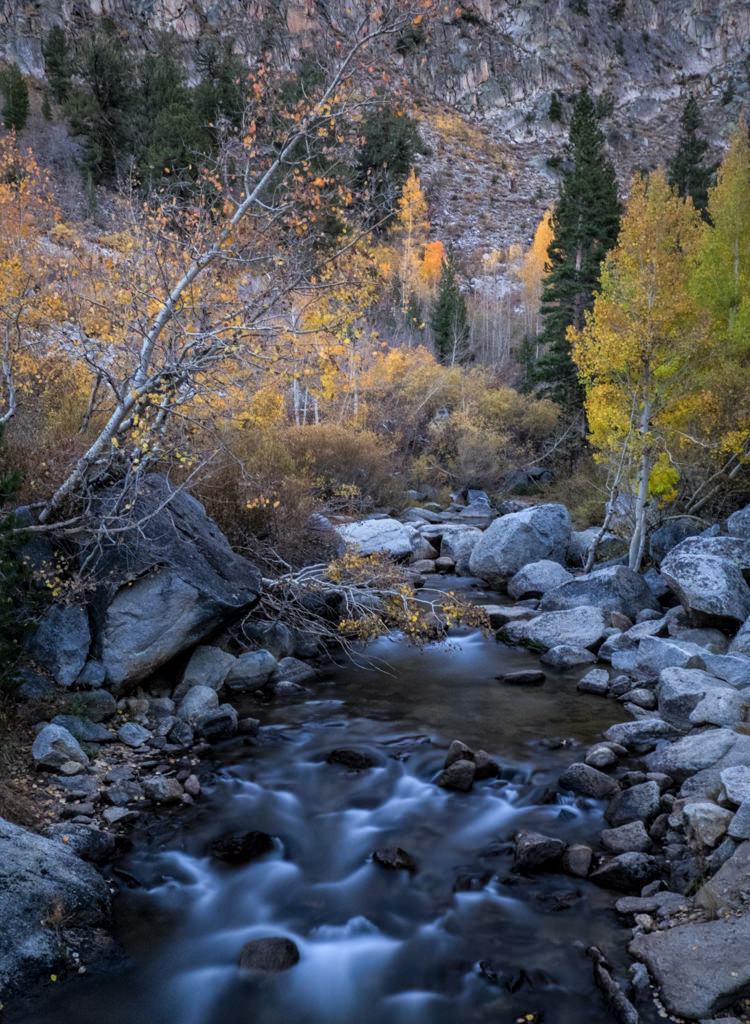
241 847
268 954
394 858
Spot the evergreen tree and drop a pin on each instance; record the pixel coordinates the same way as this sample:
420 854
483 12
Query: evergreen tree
687 172
449 321
585 225
391 142
16 95
57 63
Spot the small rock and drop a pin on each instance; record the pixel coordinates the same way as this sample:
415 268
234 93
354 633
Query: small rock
628 872
708 822
181 734
133 735
638 803
625 838
485 767
354 760
192 786
528 677
582 778
458 751
459 776
118 815
601 757
55 746
736 782
268 954
740 824
596 681
241 847
219 724
394 858
534 851
293 670
567 656
162 789
577 860
251 671
199 700
71 768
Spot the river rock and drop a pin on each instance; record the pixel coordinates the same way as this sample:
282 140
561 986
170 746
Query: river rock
292 670
208 666
45 889
61 643
595 681
615 588
706 574
394 859
533 851
458 751
458 542
641 735
515 540
485 766
680 690
133 735
736 782
251 671
459 776
523 677
268 954
199 700
601 756
566 656
578 627
707 821
641 697
354 760
670 534
369 536
183 581
692 753
625 838
582 778
577 860
738 524
656 653
698 968
218 724
163 789
536 578
54 746
241 847
721 707
637 803
88 843
627 872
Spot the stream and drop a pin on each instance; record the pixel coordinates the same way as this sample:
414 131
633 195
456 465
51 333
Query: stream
462 939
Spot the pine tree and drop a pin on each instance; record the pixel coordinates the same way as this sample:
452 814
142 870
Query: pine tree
16 95
585 225
57 63
687 172
449 321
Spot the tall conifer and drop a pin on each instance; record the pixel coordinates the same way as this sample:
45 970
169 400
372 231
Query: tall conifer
449 321
687 172
585 225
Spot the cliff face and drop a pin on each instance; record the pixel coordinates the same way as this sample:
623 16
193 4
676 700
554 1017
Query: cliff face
490 71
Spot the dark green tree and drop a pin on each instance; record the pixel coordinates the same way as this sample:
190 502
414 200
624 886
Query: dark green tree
449 320
585 224
16 97
686 170
57 63
391 143
102 111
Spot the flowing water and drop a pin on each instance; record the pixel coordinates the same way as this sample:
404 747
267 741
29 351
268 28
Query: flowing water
463 939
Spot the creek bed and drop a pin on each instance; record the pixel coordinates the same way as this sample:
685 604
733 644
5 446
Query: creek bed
462 939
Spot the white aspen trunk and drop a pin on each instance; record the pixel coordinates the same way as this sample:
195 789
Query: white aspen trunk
638 540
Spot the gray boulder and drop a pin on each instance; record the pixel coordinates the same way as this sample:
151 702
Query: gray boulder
738 524
54 746
163 789
565 656
208 666
638 803
641 735
706 574
706 821
512 541
45 890
681 690
133 735
582 778
626 838
627 872
698 968
692 753
369 536
183 581
615 588
656 653
84 730
220 724
61 643
736 782
197 701
721 707
578 627
251 671
670 534
595 681
458 542
536 578
533 851
292 670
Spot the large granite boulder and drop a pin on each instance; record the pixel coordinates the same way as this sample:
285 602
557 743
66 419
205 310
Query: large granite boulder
369 536
176 580
698 968
615 588
578 627
738 524
681 690
536 578
512 541
457 543
45 890
706 574
61 643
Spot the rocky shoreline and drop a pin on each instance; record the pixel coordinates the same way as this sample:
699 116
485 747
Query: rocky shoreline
671 646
